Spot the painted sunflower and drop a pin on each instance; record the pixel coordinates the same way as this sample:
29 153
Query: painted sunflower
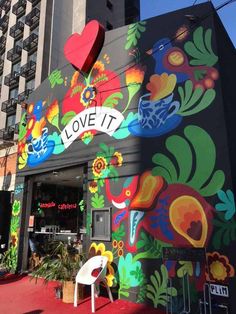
99 165
100 249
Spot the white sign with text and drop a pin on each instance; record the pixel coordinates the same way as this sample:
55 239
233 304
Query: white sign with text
104 119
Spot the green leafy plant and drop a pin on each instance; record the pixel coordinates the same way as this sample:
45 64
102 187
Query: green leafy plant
61 264
8 259
200 48
113 100
151 248
82 205
119 233
134 33
97 201
227 204
194 100
157 291
224 231
189 154
67 117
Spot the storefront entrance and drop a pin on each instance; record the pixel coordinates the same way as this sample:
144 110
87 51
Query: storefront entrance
55 213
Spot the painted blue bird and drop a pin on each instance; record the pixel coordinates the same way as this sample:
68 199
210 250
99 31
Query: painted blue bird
170 60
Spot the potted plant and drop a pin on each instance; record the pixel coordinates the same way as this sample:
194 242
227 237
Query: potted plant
61 264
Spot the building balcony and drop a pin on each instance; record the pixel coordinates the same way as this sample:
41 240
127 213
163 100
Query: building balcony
19 8
30 42
4 23
5 5
11 79
7 134
14 53
2 43
17 128
9 106
34 2
17 29
24 95
1 66
28 69
33 17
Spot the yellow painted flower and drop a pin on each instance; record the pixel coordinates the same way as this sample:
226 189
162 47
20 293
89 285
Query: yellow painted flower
100 249
116 159
93 187
219 267
30 108
134 75
98 166
161 86
99 65
38 127
14 239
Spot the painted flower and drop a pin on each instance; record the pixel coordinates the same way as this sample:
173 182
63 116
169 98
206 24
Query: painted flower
120 252
93 187
30 126
87 95
83 89
30 108
38 128
14 238
160 86
116 159
120 244
134 75
21 146
127 269
16 208
87 137
99 165
219 267
53 112
100 249
114 244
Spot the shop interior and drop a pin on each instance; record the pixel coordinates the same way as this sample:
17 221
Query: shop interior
56 214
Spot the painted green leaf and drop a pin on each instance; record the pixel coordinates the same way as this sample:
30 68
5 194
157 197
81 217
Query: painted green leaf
224 231
200 48
22 126
119 233
186 268
76 90
194 100
113 100
97 201
227 204
188 163
157 290
134 33
15 224
67 117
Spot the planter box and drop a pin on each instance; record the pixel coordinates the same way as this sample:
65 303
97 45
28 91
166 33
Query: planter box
68 289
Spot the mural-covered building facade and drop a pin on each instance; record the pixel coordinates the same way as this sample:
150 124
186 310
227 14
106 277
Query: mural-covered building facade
145 139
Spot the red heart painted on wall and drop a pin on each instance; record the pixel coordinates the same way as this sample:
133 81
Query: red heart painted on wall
82 50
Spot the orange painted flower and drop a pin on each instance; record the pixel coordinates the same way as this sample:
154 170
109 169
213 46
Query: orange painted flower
219 267
98 166
114 243
120 244
38 127
100 249
30 108
52 111
14 238
116 159
93 187
74 79
134 75
120 252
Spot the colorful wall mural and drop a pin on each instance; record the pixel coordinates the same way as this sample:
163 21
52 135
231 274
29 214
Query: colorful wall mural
146 119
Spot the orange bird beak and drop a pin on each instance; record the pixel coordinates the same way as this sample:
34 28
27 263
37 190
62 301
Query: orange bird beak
149 52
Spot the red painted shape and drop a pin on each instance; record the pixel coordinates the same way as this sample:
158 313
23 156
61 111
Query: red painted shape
82 50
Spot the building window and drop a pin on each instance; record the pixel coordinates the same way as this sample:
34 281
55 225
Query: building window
10 120
32 57
30 84
19 42
16 67
109 5
109 26
36 30
101 224
13 93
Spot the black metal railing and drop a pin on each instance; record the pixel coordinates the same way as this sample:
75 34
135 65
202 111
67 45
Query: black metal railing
14 53
7 133
24 95
17 128
19 8
30 42
17 29
9 106
1 65
5 5
28 69
2 43
4 23
34 2
33 17
12 79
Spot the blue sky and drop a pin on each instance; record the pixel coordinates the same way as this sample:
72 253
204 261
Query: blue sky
150 8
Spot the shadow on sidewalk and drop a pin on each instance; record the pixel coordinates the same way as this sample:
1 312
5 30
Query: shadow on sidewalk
34 312
9 278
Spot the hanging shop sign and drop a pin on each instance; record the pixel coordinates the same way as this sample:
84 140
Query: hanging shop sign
60 206
104 119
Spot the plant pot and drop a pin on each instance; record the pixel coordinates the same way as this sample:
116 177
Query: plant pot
68 289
